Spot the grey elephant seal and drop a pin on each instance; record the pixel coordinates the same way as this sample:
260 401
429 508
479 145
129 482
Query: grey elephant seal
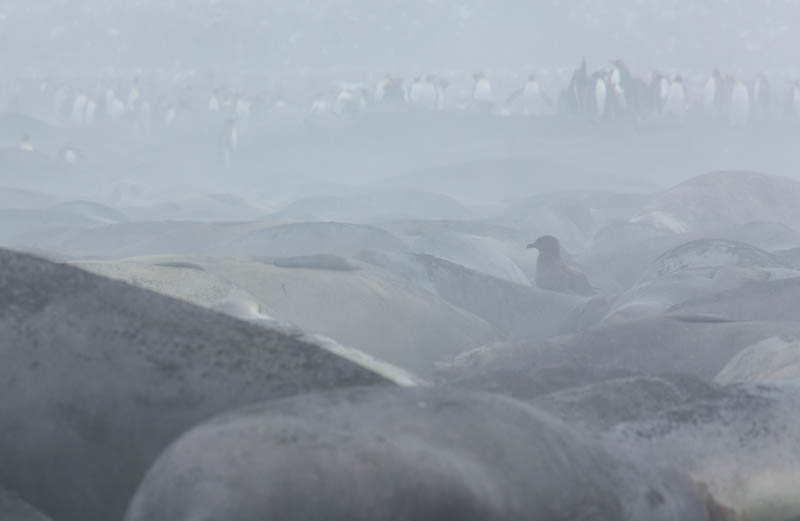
98 377
384 454
13 508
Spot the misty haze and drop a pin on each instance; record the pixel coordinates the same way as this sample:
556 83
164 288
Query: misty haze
424 260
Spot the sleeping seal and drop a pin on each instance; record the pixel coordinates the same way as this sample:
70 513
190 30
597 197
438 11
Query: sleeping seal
743 441
400 454
13 508
98 377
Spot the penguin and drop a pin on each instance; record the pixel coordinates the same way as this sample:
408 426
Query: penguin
279 102
242 112
553 274
598 96
441 83
621 73
170 115
42 92
659 92
573 100
114 106
740 104
59 100
133 95
228 139
90 114
664 85
619 76
346 103
226 100
71 156
390 91
615 75
78 117
623 88
233 136
423 93
242 107
142 119
213 102
26 145
632 94
380 89
350 101
320 105
616 103
762 98
710 90
395 91
535 101
713 94
677 99
482 95
363 97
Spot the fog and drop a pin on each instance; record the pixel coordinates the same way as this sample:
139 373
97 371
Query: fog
399 260
280 35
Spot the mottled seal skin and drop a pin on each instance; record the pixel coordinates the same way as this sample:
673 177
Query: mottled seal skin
693 346
13 508
98 377
743 441
592 398
392 454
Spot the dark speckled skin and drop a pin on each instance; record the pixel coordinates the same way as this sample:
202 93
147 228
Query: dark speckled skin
12 508
97 377
419 454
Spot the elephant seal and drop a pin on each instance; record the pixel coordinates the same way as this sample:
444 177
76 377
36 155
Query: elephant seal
428 454
743 441
12 508
692 345
98 377
592 398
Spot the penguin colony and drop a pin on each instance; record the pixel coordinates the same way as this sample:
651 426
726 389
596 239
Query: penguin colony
611 92
143 104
